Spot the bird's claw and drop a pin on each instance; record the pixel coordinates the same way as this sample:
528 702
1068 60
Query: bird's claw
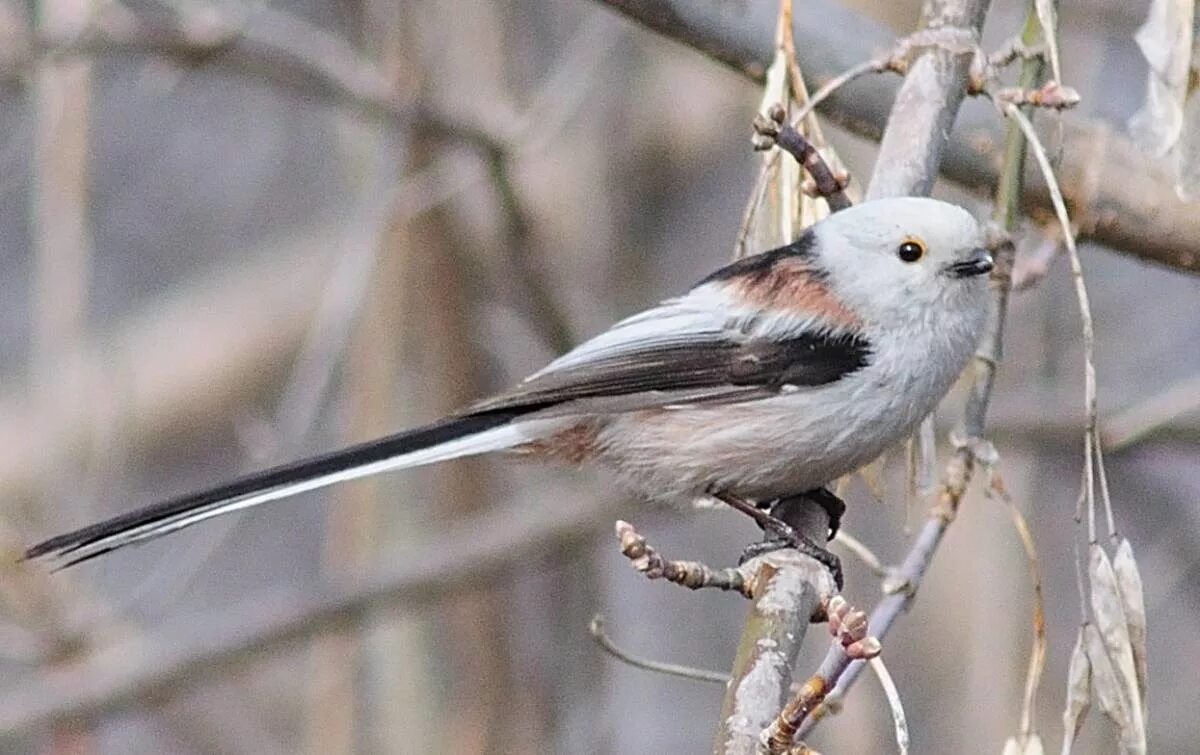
778 538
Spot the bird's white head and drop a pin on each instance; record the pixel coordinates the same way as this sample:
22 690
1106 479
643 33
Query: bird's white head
906 257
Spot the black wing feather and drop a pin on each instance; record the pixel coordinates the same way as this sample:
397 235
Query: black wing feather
807 359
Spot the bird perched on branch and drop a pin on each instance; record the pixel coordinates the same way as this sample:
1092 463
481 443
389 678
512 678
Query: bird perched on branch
770 378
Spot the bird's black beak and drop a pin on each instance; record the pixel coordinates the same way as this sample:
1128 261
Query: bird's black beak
979 263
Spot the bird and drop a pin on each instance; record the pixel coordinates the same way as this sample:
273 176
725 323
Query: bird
771 377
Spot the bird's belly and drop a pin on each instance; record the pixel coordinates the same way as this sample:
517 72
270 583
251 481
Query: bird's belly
758 449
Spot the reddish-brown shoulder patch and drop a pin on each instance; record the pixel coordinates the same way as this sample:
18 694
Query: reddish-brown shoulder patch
575 444
791 285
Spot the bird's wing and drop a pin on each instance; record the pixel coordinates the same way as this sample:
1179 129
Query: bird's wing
699 348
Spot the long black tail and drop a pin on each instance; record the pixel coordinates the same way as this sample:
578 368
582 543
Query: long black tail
446 439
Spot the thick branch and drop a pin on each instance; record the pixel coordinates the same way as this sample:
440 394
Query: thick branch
787 592
1121 198
918 129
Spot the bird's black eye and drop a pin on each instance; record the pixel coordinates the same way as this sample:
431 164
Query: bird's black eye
911 250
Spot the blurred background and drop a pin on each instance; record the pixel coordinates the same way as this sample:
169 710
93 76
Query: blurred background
234 234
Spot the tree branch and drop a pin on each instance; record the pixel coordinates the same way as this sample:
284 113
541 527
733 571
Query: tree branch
788 591
774 130
1120 197
690 574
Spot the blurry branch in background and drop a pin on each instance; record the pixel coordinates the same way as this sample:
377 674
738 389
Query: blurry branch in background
295 53
263 317
1140 420
1121 197
158 662
670 669
536 300
210 361
304 393
221 358
43 617
273 43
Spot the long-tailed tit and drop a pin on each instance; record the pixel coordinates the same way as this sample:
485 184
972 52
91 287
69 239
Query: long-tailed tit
771 377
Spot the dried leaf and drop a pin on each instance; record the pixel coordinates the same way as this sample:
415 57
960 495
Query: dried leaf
1168 121
1048 18
778 216
785 208
1106 683
1187 151
1129 580
872 477
920 466
1079 693
1165 40
927 476
1109 610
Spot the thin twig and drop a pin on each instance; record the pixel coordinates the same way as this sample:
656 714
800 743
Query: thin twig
1050 96
875 65
849 627
1037 653
775 130
899 720
765 172
903 52
690 574
1016 47
864 554
596 627
1091 436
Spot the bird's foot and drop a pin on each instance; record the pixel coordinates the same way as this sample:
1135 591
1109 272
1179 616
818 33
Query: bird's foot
777 536
780 531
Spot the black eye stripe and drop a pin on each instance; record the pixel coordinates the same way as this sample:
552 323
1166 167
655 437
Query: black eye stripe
911 251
